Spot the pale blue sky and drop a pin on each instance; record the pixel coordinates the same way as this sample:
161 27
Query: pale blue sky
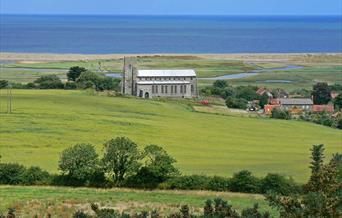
173 7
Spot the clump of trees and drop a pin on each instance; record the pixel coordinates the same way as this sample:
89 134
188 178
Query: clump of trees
322 196
122 164
236 97
78 78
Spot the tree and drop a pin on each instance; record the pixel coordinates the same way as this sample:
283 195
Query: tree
337 161
263 100
79 162
221 84
121 158
247 92
317 156
338 102
49 82
321 93
158 167
75 72
87 79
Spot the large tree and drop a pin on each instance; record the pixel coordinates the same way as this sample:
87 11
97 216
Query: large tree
321 93
121 158
75 72
79 162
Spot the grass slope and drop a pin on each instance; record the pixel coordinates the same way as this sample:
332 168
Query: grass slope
45 122
62 202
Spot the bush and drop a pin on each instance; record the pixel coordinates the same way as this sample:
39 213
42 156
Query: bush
244 181
11 173
280 114
49 82
218 183
236 103
278 184
36 176
70 85
193 182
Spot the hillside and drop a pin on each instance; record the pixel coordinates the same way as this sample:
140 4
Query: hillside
45 122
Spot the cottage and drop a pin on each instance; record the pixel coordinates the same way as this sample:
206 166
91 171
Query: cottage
303 104
158 83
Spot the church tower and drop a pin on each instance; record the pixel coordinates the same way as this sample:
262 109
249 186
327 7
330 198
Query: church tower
129 76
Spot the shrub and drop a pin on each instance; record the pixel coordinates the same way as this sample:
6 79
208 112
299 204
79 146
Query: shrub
218 183
11 173
70 85
36 176
244 181
49 82
220 84
278 184
236 103
280 114
193 182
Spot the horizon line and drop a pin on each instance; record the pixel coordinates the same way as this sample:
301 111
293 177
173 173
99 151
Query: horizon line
174 15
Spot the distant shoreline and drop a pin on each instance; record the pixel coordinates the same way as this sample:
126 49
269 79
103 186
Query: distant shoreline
44 57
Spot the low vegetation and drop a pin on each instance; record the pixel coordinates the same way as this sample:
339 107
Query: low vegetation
324 184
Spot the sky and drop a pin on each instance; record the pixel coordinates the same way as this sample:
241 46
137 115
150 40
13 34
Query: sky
173 7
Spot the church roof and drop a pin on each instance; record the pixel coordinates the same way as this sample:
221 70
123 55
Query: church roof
161 82
166 73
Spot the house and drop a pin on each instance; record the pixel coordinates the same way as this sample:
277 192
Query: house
158 83
295 104
261 91
321 108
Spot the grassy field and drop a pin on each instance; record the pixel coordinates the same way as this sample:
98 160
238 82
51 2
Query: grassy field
317 68
45 122
62 202
204 67
301 78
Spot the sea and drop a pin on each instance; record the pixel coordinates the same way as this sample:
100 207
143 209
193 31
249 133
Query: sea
169 34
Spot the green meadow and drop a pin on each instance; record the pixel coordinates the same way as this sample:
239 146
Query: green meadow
316 68
44 122
63 202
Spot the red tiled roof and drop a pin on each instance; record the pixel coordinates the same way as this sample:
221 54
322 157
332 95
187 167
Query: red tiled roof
321 108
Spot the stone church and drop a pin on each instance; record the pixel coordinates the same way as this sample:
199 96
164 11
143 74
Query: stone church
158 83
